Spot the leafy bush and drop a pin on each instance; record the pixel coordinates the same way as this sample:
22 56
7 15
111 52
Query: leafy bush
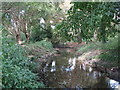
59 35
38 49
16 67
46 44
111 44
111 49
23 38
38 34
90 46
109 56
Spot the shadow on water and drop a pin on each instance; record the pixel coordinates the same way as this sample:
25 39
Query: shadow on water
65 71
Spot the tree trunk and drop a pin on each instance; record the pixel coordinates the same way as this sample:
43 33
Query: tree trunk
18 39
26 32
17 34
79 38
27 35
102 31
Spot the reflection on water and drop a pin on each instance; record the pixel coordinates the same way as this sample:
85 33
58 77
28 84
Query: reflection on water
113 83
53 68
90 69
66 72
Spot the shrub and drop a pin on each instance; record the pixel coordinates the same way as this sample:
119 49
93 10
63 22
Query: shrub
112 50
46 44
16 67
38 34
38 49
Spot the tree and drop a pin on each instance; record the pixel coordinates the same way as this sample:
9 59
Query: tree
85 19
14 19
24 17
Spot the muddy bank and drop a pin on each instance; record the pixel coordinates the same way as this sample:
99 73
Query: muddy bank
84 59
87 58
45 57
65 71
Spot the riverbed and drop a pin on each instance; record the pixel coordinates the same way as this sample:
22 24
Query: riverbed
64 71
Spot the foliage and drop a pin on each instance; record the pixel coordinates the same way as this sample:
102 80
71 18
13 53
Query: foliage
112 44
90 46
38 34
58 36
85 19
0 56
46 44
24 18
110 49
38 49
16 67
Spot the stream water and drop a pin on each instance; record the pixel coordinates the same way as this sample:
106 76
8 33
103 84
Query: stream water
65 71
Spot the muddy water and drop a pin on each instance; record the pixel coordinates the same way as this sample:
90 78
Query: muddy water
65 71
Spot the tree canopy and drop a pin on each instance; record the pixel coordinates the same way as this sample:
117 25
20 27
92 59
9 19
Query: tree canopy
25 17
87 19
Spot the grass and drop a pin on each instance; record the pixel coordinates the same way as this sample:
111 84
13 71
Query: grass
38 49
90 46
109 53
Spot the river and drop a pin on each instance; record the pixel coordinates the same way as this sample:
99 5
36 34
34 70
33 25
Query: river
65 71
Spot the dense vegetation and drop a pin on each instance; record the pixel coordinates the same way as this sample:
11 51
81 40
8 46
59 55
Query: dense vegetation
33 29
110 52
91 20
20 26
17 68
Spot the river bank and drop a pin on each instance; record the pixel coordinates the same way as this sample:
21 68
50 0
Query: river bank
91 57
65 71
87 58
83 59
103 57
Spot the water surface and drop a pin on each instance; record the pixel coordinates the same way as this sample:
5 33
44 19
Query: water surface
65 71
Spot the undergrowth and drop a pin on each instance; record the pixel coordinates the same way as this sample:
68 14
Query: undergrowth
16 67
38 49
110 49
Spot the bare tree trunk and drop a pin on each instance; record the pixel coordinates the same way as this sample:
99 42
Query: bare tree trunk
26 32
28 37
17 33
18 39
16 27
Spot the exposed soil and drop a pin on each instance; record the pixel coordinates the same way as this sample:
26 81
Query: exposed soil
109 68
